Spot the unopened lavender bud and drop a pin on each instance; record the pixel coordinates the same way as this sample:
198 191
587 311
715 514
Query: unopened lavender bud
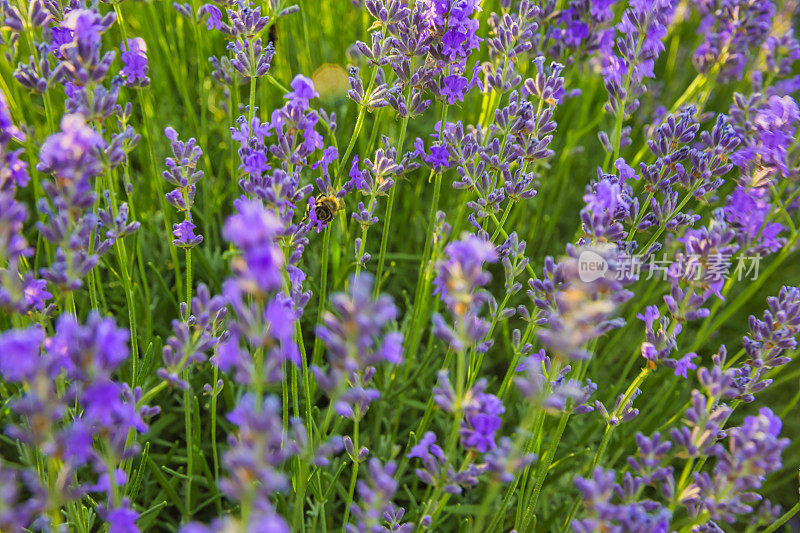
605 141
507 313
362 454
348 447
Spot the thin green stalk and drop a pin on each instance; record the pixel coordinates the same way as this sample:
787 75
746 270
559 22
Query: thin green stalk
617 412
122 257
323 289
422 280
420 292
125 277
387 221
187 404
189 280
362 111
353 476
252 101
501 224
187 421
140 263
387 224
214 448
364 232
156 178
783 519
544 468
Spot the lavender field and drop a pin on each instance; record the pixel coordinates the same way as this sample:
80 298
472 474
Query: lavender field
399 266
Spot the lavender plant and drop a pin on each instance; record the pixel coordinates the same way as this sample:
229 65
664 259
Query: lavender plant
409 265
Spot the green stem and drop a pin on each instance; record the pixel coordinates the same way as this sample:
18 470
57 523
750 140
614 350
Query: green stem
125 275
353 476
187 402
323 288
252 102
502 222
364 231
387 222
422 279
544 468
188 280
421 295
157 179
609 428
122 257
214 449
783 519
187 421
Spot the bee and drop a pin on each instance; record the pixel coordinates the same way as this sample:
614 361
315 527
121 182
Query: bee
325 207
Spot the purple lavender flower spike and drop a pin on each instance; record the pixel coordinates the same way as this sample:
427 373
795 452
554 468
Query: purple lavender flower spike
614 506
72 155
754 450
731 31
257 450
197 333
481 419
564 292
459 283
183 174
134 57
357 339
375 505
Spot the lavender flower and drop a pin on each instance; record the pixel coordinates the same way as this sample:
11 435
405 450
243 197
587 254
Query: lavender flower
357 340
434 469
13 170
552 393
264 318
257 450
702 268
134 57
766 129
458 283
18 292
82 60
731 29
603 512
72 155
481 419
579 307
16 507
777 332
375 507
584 27
20 353
754 450
704 419
261 57
643 28
198 332
183 174
746 211
64 421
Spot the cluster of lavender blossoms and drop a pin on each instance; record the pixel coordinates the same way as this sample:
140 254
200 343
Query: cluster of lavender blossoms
75 414
550 337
